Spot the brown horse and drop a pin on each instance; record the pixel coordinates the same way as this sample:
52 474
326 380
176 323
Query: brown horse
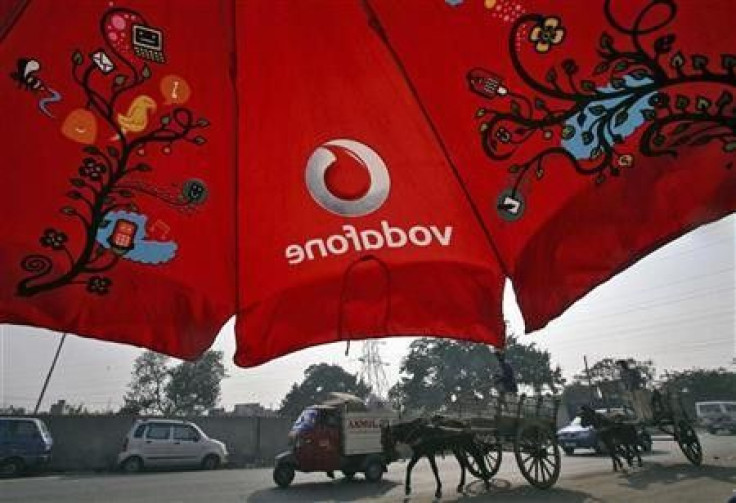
427 438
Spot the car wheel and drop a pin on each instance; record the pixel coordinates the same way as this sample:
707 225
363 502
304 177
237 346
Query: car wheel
133 464
374 471
283 475
211 462
568 450
11 467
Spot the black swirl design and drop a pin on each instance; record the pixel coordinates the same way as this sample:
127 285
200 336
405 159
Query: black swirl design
639 83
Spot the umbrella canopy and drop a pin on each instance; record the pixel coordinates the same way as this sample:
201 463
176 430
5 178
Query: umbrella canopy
334 170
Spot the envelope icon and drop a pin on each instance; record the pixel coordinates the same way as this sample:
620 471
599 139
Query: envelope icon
103 62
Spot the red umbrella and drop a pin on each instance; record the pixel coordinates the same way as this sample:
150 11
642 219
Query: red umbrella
333 170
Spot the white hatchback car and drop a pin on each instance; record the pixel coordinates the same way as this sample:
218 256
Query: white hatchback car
169 443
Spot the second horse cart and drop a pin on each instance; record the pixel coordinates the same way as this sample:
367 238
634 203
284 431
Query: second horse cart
663 410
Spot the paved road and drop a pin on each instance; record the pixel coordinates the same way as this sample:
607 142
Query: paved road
666 476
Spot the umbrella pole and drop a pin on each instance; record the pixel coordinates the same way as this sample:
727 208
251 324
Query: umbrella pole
48 376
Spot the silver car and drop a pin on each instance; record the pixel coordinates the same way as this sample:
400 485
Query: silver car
170 443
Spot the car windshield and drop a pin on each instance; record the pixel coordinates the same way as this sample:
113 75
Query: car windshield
576 421
306 420
201 433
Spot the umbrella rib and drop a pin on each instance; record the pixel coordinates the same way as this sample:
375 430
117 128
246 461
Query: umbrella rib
376 24
12 19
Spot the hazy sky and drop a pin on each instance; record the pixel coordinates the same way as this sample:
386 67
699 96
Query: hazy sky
677 307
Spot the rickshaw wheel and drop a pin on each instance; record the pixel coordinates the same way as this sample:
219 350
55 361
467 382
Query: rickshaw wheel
537 455
374 471
283 475
688 441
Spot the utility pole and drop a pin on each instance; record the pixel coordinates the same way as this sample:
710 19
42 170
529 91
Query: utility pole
590 381
48 376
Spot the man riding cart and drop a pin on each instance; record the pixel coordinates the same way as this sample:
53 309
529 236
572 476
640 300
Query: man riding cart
339 434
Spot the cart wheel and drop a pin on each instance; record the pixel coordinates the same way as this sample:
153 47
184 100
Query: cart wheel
283 475
688 441
537 455
490 448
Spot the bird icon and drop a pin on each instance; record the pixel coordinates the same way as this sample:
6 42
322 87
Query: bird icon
136 120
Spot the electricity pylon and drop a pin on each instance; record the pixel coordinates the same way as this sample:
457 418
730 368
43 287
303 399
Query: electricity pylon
372 369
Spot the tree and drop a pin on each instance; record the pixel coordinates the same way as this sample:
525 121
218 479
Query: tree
605 381
436 370
319 381
187 388
194 387
147 389
701 385
533 366
607 370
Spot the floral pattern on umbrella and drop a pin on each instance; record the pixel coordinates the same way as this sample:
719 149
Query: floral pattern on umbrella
103 192
585 117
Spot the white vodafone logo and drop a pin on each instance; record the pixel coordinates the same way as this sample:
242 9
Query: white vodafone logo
347 178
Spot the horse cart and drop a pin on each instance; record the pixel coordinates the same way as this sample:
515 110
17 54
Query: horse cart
664 411
523 424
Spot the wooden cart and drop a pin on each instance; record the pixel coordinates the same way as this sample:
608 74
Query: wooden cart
668 416
524 424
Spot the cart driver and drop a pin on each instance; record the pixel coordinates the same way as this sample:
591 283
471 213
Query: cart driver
505 380
634 384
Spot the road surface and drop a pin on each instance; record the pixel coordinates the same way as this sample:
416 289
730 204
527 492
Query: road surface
585 478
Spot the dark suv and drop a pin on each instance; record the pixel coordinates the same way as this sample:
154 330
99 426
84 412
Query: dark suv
25 443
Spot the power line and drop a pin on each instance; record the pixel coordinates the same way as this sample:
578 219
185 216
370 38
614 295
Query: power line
665 303
629 333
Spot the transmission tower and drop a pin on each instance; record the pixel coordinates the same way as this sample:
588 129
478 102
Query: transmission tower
372 368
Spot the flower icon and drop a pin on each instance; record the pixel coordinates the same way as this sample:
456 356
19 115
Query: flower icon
547 34
503 135
99 285
53 239
92 169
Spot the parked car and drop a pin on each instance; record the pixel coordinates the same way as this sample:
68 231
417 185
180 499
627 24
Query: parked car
25 444
717 416
170 443
575 436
